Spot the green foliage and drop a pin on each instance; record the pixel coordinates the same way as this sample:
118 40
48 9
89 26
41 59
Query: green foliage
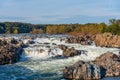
113 28
90 28
17 27
15 31
36 31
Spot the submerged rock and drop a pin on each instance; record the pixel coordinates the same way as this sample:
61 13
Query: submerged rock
107 65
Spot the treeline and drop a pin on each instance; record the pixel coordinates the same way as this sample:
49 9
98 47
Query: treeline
90 28
113 28
75 29
17 27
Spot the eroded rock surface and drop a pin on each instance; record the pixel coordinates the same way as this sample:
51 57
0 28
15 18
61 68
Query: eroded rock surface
107 65
107 40
82 39
70 52
10 51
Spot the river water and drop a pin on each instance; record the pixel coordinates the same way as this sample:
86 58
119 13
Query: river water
38 64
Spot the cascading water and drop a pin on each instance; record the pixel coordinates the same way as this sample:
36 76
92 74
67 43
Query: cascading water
38 62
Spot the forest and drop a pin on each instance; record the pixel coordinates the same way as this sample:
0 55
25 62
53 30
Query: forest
18 27
74 29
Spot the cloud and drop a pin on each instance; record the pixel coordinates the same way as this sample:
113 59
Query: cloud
13 19
53 11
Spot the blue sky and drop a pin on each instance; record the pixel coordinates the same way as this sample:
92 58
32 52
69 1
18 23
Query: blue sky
59 11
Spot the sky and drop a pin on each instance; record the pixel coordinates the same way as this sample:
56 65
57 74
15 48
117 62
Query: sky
59 11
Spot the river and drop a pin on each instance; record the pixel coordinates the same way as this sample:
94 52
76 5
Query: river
37 64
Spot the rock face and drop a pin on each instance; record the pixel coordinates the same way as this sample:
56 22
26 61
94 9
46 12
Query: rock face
110 62
107 40
83 71
107 65
70 52
10 51
103 40
83 40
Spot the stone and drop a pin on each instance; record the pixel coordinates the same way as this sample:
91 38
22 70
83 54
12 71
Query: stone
83 71
82 39
10 51
70 52
107 40
107 65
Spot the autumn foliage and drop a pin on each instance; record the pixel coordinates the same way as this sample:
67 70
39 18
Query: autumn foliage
74 29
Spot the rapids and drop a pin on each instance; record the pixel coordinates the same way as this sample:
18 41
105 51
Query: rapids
38 61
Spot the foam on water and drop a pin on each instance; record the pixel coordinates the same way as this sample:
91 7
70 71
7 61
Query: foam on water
37 62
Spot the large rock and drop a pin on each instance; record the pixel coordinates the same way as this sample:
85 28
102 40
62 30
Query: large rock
30 42
13 41
110 62
82 39
70 52
83 71
107 40
10 51
107 65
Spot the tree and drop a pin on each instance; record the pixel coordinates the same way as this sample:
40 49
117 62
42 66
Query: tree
15 31
36 31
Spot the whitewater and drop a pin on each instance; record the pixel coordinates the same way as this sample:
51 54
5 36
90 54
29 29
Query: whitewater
38 63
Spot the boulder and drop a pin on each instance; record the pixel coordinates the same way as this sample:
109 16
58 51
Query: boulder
84 71
110 62
30 42
70 52
9 51
82 39
107 65
13 41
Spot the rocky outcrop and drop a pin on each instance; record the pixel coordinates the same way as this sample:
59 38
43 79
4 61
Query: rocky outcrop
107 65
83 71
12 41
30 42
70 52
103 40
82 39
107 40
10 51
110 62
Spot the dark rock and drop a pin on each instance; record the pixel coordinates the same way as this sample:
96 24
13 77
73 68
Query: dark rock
110 62
13 41
54 44
30 42
83 71
82 39
63 47
70 52
107 65
41 50
46 43
9 52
